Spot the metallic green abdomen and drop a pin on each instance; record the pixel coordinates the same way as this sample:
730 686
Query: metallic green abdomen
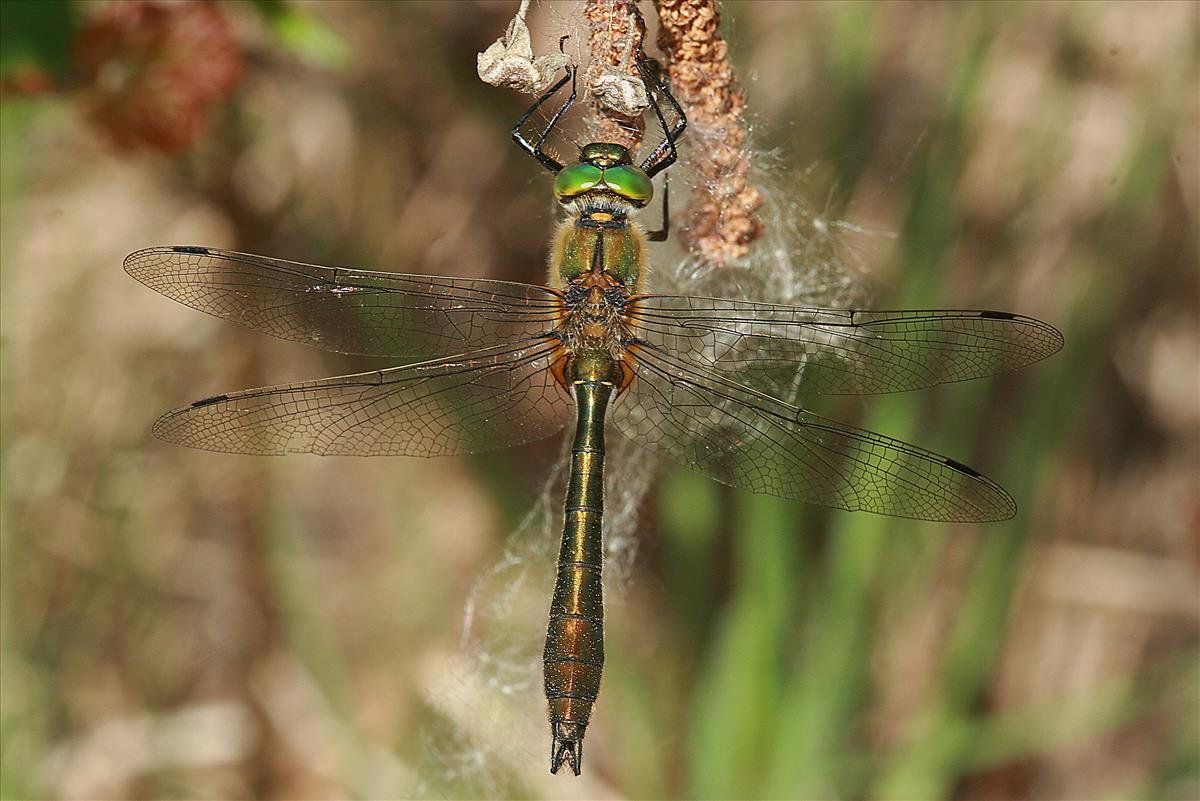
574 655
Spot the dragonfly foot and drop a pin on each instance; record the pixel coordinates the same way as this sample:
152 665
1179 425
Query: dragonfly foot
567 746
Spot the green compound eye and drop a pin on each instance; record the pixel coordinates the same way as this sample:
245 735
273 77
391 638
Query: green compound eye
630 183
573 181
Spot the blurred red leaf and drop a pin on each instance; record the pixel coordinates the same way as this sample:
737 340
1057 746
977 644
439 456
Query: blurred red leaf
154 68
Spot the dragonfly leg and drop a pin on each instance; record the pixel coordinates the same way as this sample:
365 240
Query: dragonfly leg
535 148
665 154
661 234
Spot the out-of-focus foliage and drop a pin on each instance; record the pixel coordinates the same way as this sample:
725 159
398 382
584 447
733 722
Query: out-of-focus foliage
35 41
186 624
146 71
305 35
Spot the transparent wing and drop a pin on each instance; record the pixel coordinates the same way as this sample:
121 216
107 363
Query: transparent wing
840 352
746 439
348 311
480 401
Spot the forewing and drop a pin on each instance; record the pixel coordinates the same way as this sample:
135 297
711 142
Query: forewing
743 438
345 310
481 401
766 346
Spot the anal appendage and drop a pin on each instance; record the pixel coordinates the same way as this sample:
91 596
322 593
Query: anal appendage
566 746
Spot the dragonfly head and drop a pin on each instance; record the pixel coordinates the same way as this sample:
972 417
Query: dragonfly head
604 168
604 155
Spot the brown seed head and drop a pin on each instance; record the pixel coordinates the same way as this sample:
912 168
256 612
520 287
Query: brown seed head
722 220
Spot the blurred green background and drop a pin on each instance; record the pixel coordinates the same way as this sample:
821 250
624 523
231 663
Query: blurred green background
194 625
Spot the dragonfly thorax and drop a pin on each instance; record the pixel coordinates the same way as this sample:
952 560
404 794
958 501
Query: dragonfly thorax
600 240
594 321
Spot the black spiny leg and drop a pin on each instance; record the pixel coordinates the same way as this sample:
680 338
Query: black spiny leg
665 154
661 234
535 148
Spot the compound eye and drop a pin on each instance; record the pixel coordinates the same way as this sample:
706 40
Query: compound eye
631 183
575 180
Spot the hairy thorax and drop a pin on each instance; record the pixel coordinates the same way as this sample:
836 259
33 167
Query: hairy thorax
595 318
597 261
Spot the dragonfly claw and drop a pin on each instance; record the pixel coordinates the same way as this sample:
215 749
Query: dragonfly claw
567 746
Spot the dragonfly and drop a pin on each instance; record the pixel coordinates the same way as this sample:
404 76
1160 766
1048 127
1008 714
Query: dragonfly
505 363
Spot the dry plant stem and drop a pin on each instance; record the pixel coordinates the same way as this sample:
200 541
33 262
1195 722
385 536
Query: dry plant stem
722 221
617 30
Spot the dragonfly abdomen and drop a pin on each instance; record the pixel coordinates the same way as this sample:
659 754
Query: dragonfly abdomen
574 655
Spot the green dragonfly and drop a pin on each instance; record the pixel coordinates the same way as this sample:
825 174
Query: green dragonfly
689 378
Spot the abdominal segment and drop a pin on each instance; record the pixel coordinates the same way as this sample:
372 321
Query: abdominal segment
574 655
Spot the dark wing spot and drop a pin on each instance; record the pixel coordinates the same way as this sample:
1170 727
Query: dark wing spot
209 401
190 249
962 468
995 315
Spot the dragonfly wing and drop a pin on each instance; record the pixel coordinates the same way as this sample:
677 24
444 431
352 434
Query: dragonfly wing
345 310
840 352
746 439
476 402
